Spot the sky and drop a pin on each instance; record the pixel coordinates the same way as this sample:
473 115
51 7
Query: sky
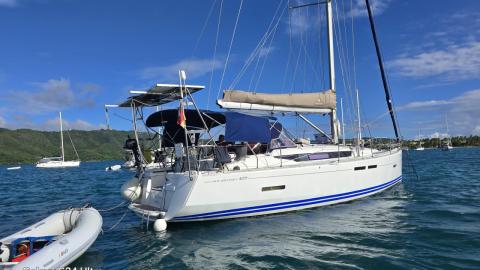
76 56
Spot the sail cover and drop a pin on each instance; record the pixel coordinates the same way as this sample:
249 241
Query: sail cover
316 100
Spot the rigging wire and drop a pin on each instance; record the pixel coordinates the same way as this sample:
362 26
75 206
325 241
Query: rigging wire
210 86
265 37
289 47
256 51
342 64
203 30
321 16
269 46
230 48
74 149
296 65
305 62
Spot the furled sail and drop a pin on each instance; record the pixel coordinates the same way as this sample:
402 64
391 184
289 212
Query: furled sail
317 101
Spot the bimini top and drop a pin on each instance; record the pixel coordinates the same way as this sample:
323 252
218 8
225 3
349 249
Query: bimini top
174 133
319 102
169 118
158 95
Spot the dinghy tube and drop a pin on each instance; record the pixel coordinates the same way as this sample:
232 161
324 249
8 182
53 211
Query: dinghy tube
68 234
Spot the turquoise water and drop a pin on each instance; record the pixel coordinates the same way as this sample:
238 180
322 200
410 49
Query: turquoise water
429 223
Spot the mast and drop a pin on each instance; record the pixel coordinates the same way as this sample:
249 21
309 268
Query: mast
61 136
331 66
107 118
449 142
382 71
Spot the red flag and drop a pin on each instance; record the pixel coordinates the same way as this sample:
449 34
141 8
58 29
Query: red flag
182 120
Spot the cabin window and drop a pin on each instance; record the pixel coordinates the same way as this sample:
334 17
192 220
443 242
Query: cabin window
316 156
273 188
359 168
372 166
394 165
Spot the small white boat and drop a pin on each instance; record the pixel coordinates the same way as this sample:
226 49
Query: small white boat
113 168
447 143
13 168
53 242
59 162
56 163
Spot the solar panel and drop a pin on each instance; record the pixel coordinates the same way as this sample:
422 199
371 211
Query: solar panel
158 95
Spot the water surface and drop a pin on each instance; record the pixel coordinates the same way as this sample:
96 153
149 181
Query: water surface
429 223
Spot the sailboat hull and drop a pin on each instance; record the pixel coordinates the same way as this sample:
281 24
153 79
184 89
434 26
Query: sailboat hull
236 194
58 164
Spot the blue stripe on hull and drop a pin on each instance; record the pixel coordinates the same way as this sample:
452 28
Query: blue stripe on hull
285 205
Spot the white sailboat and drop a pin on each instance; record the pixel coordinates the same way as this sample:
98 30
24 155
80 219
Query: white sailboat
447 143
420 146
276 173
59 162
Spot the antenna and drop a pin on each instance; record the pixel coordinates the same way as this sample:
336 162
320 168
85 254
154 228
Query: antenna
183 76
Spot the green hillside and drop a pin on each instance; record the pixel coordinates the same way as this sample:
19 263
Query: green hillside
28 146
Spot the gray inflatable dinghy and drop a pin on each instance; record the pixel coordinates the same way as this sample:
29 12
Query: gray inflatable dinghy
52 243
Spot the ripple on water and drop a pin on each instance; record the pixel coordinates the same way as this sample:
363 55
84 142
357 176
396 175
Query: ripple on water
431 223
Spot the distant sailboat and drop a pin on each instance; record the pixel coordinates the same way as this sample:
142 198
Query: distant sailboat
59 162
420 147
447 144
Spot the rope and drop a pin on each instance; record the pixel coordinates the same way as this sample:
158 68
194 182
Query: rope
140 177
229 49
113 208
118 222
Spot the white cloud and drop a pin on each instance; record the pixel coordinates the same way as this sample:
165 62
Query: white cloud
52 95
53 124
300 21
359 9
453 63
476 130
304 19
87 88
8 3
265 51
424 104
437 135
463 112
194 68
3 122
